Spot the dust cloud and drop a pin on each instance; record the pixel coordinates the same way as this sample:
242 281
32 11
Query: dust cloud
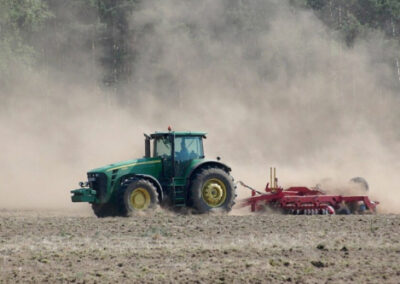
271 85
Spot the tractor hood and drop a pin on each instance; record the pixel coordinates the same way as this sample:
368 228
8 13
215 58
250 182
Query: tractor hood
125 165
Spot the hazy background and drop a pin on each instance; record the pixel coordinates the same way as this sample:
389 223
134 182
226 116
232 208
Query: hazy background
269 81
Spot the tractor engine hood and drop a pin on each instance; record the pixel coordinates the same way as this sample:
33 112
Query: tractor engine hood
126 165
101 180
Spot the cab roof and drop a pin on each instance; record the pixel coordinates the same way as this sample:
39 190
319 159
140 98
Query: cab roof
178 133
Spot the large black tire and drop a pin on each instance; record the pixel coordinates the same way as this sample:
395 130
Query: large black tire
105 210
362 182
137 196
212 189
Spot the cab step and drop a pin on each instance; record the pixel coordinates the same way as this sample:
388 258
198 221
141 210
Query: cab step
178 197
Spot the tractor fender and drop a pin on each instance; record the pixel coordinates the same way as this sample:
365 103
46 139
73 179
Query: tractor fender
207 164
149 178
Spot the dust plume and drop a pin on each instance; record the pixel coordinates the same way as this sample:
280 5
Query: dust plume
270 84
274 87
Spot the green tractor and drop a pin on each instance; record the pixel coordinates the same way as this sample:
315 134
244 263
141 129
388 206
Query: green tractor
176 174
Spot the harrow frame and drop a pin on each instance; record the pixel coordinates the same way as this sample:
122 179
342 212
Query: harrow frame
303 200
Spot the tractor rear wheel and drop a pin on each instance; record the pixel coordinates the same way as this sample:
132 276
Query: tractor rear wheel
139 195
212 189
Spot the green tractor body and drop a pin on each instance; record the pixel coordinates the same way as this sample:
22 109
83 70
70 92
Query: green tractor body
175 173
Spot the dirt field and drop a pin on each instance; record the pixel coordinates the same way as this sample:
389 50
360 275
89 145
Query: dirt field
163 247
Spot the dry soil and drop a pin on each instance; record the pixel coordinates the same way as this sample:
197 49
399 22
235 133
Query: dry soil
55 246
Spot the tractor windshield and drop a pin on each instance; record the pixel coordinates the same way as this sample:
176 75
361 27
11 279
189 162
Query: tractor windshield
188 148
162 147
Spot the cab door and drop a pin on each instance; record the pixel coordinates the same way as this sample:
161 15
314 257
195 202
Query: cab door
187 148
163 150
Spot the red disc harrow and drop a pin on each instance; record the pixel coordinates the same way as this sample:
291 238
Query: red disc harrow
305 201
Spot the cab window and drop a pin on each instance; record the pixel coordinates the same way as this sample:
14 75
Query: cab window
162 147
188 148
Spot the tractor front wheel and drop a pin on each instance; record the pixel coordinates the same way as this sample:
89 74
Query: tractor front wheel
139 195
105 210
212 189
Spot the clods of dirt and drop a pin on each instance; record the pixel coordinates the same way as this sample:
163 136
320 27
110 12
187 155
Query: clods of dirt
167 248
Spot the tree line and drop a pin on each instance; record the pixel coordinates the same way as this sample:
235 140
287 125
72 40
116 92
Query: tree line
59 35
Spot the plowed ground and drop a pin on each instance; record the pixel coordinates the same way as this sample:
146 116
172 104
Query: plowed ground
38 246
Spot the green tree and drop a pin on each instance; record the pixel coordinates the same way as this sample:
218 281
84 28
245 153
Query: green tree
18 21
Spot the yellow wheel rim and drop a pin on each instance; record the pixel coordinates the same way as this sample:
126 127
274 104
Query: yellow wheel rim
139 199
214 192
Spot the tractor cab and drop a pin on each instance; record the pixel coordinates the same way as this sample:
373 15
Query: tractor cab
177 150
